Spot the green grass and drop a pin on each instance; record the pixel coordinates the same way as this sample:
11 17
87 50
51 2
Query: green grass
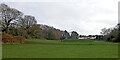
0 51
61 49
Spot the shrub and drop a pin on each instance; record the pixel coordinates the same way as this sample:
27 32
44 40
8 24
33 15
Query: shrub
19 39
6 38
9 39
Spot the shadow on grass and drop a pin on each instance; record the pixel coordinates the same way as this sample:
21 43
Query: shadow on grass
46 43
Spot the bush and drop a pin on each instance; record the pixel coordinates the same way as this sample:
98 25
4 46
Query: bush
9 39
6 38
19 39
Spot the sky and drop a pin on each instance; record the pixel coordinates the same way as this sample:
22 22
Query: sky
87 17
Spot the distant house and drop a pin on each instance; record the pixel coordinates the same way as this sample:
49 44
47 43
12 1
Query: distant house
93 38
83 37
87 37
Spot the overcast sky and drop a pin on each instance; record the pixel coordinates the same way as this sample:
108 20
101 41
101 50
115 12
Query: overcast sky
84 16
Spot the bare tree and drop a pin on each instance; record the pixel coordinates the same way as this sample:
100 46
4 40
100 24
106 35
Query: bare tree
106 31
8 15
29 21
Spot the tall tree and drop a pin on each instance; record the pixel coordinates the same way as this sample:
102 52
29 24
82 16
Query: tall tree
111 34
74 35
65 35
29 21
8 15
118 33
106 31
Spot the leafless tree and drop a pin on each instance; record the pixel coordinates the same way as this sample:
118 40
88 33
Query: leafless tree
8 15
29 21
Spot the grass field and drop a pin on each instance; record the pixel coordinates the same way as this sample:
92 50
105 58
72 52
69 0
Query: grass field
61 49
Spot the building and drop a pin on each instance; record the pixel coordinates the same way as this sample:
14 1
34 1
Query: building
92 37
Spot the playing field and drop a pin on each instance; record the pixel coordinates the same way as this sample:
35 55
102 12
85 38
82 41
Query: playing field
61 49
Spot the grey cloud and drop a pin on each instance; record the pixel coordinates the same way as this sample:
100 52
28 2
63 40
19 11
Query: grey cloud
83 16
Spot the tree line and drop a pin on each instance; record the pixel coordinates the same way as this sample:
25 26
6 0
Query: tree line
111 34
14 22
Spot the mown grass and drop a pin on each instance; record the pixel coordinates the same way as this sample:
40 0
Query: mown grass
71 48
